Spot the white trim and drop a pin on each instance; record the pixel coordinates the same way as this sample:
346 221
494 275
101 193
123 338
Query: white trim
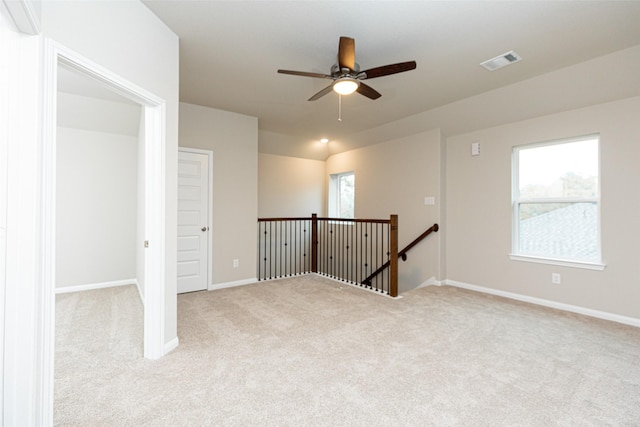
91 286
137 283
45 355
209 154
195 150
24 16
431 281
563 263
155 232
632 321
224 285
154 303
171 345
24 314
517 201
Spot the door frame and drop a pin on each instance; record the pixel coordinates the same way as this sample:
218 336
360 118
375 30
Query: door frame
154 110
209 155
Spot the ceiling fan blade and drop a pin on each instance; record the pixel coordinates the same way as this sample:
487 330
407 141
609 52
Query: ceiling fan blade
347 53
305 74
322 93
386 70
368 91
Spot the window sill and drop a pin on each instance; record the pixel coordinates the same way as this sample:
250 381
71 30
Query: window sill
564 263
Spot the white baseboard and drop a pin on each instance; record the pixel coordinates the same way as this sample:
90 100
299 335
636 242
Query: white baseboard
632 321
170 346
90 286
139 292
431 281
224 285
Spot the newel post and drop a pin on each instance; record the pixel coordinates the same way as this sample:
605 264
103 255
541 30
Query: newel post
314 243
393 260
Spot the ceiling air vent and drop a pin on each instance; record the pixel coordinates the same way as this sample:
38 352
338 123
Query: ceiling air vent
501 61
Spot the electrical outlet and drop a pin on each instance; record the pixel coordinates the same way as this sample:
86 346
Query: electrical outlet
236 263
556 278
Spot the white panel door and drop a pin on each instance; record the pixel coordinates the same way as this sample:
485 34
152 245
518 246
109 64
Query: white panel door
193 221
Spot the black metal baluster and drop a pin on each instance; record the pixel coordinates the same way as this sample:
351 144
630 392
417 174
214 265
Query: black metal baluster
366 273
360 261
377 248
350 253
324 246
371 249
340 250
331 249
294 243
304 245
389 258
271 259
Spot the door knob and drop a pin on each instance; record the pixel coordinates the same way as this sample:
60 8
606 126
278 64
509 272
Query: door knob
204 229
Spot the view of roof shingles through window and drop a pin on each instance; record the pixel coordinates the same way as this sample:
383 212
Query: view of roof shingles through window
567 232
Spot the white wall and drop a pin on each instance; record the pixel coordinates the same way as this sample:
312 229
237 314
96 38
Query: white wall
95 114
128 39
479 210
290 187
97 152
394 178
233 138
95 207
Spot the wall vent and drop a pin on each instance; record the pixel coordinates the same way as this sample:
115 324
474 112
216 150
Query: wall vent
501 61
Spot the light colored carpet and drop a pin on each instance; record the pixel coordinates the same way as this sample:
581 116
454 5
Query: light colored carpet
311 352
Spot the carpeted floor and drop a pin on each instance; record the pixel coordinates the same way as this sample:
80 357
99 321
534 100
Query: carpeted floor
309 351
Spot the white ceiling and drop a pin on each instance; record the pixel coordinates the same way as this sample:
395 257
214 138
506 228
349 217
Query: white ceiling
230 51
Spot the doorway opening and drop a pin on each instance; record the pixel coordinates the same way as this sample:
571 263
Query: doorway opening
153 140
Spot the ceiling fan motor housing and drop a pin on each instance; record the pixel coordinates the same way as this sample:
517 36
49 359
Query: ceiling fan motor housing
337 72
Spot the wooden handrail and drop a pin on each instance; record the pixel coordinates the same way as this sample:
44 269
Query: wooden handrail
373 221
403 253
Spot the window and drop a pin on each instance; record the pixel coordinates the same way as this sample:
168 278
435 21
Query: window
556 197
341 195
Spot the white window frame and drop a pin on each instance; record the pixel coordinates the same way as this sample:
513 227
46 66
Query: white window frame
335 193
517 201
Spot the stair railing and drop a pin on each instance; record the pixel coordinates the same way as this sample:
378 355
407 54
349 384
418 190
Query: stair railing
339 248
402 254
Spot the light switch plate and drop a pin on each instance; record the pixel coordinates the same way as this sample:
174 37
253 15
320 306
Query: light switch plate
430 200
475 148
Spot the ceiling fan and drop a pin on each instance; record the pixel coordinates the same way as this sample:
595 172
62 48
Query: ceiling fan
346 75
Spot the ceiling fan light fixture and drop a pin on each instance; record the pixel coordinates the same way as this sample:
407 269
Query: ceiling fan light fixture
346 85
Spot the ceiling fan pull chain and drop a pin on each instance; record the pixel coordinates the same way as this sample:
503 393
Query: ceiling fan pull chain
339 107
